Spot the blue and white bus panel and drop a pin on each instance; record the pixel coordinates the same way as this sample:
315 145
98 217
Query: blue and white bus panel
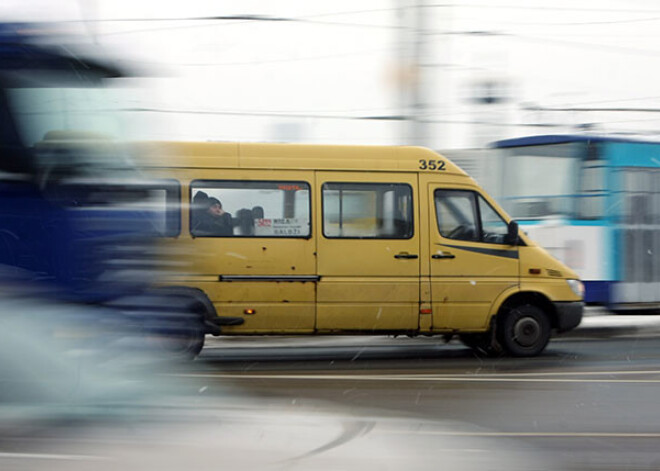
594 203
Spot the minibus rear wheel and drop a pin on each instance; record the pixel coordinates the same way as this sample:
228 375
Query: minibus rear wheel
193 342
178 340
524 330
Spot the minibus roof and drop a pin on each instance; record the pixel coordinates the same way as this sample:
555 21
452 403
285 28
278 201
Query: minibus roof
292 156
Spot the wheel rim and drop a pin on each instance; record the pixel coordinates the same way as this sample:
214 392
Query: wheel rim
526 331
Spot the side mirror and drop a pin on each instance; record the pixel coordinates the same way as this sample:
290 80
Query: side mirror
512 233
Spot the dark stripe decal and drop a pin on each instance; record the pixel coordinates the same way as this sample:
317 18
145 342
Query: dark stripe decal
495 252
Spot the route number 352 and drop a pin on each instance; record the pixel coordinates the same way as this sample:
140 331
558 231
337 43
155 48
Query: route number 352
432 164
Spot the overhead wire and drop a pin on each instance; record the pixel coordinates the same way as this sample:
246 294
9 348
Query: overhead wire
330 117
244 19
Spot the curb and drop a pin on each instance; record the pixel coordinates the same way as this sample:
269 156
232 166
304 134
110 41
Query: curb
594 325
614 325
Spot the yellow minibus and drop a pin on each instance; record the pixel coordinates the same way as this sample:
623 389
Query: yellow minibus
315 239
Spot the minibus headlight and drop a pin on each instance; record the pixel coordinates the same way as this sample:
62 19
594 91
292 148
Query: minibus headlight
577 287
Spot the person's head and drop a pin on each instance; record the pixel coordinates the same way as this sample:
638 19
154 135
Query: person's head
200 200
215 207
258 212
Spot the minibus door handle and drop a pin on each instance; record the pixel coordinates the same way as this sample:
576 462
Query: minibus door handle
405 255
443 255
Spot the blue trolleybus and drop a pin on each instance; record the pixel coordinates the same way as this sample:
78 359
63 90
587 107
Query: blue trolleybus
594 203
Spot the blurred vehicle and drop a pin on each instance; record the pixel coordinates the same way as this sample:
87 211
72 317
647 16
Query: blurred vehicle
594 203
303 239
77 220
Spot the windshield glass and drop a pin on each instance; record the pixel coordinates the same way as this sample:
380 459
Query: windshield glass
42 110
71 127
541 181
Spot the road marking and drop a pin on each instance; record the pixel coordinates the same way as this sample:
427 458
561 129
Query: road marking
585 373
530 434
46 456
503 378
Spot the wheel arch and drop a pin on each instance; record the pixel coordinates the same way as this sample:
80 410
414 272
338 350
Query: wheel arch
201 304
518 298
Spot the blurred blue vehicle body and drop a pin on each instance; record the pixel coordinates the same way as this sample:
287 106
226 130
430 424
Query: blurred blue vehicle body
594 202
77 223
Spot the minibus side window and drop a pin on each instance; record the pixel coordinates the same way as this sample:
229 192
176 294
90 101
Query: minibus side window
224 208
367 210
493 228
466 215
456 212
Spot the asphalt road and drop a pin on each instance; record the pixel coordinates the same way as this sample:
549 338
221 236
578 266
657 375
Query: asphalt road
588 403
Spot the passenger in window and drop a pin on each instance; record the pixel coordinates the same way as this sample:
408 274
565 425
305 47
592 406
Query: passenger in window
244 222
401 226
215 221
258 212
200 203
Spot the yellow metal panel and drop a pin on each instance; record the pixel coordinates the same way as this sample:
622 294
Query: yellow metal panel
463 288
383 290
367 317
554 289
168 154
373 257
464 317
465 304
233 256
500 300
425 306
425 323
290 156
260 291
270 318
363 285
538 257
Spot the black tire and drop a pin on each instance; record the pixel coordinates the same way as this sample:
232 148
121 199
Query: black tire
192 342
524 331
187 331
178 339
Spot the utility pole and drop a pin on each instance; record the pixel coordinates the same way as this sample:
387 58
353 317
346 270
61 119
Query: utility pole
419 96
413 18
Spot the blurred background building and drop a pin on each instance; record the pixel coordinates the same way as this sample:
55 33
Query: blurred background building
442 74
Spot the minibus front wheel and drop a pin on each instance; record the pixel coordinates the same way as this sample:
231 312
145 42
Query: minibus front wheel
523 330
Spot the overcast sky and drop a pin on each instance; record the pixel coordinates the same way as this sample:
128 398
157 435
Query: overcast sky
326 70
